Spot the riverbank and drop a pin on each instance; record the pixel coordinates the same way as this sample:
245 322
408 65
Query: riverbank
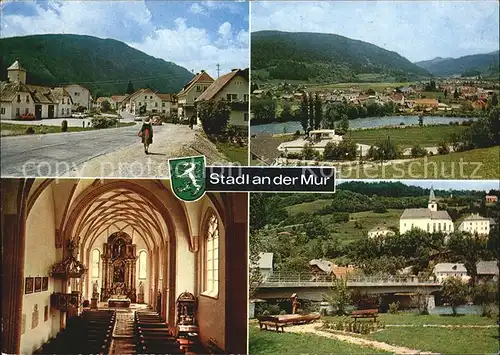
365 123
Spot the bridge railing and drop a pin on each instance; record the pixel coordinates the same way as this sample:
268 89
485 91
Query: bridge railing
284 278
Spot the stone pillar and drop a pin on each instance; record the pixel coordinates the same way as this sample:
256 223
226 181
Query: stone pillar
13 245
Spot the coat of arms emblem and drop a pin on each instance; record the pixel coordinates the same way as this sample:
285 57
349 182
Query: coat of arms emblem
187 177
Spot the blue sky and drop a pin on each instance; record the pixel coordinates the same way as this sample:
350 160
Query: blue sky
479 185
195 35
418 30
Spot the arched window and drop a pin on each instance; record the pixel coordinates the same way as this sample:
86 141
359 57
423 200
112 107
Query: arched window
96 258
212 257
142 265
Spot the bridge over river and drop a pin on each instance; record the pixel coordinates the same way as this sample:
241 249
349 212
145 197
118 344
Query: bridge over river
312 287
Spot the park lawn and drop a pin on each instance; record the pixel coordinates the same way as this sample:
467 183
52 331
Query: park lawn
442 340
234 153
476 164
347 232
407 137
268 342
420 320
12 129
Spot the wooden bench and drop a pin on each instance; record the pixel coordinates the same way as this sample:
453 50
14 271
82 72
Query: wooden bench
278 322
365 313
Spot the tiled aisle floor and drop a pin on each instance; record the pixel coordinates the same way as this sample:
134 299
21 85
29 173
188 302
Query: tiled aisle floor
123 333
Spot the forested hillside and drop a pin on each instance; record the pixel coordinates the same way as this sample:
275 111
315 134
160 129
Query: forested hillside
324 57
105 66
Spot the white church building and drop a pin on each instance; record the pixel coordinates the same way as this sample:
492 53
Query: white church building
428 219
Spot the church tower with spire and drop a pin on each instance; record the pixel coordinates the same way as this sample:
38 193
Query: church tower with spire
432 205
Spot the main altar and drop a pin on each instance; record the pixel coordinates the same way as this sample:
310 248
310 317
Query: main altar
118 270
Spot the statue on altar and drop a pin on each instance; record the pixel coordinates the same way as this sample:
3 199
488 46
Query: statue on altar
140 295
95 289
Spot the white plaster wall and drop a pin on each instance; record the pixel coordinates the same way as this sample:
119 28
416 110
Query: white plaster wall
185 265
79 100
479 227
8 115
23 105
45 111
237 118
39 258
238 86
141 245
406 225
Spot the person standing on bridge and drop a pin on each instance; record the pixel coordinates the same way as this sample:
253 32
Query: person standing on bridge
146 134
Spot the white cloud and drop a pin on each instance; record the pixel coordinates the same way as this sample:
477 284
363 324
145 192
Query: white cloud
416 30
192 47
182 43
225 30
130 19
197 9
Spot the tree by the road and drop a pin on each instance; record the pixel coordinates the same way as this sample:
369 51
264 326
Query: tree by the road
130 88
454 292
318 111
214 116
105 106
468 249
339 297
311 112
420 300
304 112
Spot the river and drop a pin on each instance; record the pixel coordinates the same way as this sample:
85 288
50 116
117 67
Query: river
368 122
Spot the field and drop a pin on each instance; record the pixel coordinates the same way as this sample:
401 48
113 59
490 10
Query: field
474 164
433 319
359 223
233 153
10 129
407 137
377 86
266 342
442 340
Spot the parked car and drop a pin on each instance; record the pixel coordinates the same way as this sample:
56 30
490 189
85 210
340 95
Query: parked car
79 115
27 116
156 121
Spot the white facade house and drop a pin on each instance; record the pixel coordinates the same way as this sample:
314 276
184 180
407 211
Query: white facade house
80 96
442 271
146 101
190 92
234 88
17 98
427 219
265 264
380 231
475 224
318 139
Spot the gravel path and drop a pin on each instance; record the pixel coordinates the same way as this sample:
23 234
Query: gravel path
311 329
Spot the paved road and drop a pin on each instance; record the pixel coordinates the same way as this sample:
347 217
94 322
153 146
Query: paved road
54 154
114 152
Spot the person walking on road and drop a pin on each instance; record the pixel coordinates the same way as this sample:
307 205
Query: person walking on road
146 134
192 121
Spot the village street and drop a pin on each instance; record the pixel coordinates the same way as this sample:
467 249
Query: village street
114 152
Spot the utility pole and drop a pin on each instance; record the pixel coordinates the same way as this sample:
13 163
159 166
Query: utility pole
218 69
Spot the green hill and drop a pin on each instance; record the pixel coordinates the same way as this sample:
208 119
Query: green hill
470 65
324 57
103 65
